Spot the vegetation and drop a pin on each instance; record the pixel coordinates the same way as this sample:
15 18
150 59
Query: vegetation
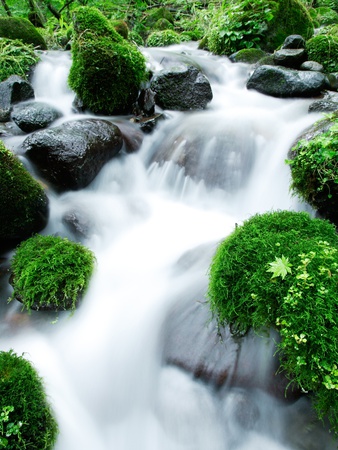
20 28
51 272
26 418
163 38
323 48
23 202
106 71
314 168
280 270
16 58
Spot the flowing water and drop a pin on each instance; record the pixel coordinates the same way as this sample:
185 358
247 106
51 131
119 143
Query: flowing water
103 366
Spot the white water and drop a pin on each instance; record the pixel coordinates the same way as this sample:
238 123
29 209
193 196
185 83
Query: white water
102 367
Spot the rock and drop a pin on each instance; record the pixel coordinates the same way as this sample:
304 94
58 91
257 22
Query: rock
312 65
294 41
290 57
13 90
328 103
181 88
33 116
284 82
147 124
71 155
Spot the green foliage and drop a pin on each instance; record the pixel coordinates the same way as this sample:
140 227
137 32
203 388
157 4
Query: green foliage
121 27
324 50
23 201
257 24
57 33
333 4
17 58
51 272
107 70
26 419
18 28
280 270
314 168
163 38
326 16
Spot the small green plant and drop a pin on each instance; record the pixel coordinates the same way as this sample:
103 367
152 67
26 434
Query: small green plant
51 272
163 38
280 270
17 58
26 419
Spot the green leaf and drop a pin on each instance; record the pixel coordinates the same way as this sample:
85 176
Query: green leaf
280 267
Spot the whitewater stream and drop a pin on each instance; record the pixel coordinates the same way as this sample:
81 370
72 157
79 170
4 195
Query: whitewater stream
103 367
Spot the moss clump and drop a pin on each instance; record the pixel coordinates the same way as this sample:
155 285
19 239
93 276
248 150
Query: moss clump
326 16
260 23
324 49
155 15
248 55
107 70
23 202
280 270
163 38
121 27
314 168
16 58
51 273
26 420
19 28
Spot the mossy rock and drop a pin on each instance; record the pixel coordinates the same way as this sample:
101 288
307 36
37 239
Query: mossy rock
107 70
248 55
323 49
23 29
26 416
314 169
17 58
262 24
51 273
326 16
157 14
163 24
163 38
280 270
24 206
121 27
333 4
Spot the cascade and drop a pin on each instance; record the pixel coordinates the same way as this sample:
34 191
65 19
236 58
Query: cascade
103 366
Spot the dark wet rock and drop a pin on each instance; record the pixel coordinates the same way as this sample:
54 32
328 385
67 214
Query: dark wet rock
148 124
328 103
294 41
13 90
312 65
290 57
333 80
146 103
34 116
284 82
181 88
71 155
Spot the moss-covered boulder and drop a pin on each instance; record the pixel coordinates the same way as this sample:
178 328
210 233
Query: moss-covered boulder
155 15
51 273
248 55
313 163
107 70
280 270
163 38
23 29
323 49
23 203
260 23
27 420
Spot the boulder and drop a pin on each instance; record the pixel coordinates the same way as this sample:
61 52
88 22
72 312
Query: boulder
23 29
294 41
290 57
13 90
71 155
284 82
33 116
312 65
328 103
181 88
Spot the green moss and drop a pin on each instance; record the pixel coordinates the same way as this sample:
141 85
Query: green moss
249 55
51 272
261 24
324 50
280 270
163 38
90 20
27 420
314 168
327 3
121 27
157 14
16 58
326 16
23 202
163 24
106 71
19 28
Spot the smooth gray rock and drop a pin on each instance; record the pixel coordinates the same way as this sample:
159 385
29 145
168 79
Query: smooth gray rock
34 116
290 57
294 41
13 90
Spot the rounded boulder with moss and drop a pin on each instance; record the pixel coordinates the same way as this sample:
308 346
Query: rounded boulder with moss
51 273
24 205
323 49
26 417
23 29
280 270
107 71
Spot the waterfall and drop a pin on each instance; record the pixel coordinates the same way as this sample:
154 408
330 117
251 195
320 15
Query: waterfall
103 366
